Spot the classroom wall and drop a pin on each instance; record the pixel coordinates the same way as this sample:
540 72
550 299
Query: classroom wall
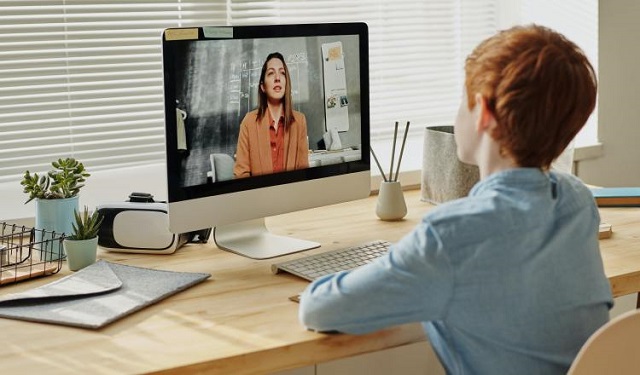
619 97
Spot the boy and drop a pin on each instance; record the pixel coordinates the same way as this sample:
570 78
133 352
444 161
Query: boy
508 280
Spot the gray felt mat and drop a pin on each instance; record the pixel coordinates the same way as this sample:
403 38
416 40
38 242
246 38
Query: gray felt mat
96 295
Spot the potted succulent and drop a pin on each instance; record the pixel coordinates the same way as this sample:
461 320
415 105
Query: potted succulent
81 246
64 181
56 195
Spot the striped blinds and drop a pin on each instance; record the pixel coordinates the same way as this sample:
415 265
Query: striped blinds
83 78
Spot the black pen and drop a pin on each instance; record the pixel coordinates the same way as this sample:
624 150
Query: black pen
404 139
393 151
379 166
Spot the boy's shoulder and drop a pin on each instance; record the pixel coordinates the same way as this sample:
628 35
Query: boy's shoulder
496 212
469 215
573 190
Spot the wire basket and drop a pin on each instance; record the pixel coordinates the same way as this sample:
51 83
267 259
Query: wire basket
26 253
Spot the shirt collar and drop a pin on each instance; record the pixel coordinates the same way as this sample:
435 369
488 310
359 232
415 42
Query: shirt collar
527 178
270 118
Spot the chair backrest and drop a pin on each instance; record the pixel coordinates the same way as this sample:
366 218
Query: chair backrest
221 167
612 349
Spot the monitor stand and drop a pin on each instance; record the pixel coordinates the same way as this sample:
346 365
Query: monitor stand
252 239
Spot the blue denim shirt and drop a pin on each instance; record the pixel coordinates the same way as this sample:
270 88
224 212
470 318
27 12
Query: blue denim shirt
508 280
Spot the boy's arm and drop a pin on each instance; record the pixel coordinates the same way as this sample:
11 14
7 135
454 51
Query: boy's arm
413 283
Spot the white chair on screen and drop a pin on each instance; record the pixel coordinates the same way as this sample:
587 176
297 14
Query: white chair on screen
221 167
612 349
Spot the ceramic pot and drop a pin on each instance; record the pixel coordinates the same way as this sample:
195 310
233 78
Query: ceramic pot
80 253
391 204
55 215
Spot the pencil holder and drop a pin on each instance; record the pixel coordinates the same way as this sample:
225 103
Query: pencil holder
391 204
444 177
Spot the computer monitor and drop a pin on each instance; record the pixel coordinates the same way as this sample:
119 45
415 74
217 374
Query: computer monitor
226 167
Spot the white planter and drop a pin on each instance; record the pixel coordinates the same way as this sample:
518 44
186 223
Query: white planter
391 204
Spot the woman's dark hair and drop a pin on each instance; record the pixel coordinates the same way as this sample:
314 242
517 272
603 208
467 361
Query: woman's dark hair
262 96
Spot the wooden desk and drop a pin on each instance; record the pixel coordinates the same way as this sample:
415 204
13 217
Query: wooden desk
240 321
621 252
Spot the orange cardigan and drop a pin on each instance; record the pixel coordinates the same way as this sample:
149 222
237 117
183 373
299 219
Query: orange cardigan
253 154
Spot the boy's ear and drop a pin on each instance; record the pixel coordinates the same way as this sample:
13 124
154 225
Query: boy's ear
486 121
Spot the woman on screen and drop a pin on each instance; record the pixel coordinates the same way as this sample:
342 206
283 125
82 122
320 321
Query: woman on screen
273 137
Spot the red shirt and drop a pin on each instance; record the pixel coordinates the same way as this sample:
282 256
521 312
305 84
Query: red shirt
277 145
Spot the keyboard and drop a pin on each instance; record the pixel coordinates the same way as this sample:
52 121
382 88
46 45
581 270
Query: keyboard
312 267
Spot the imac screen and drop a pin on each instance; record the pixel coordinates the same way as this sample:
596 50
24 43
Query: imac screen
253 107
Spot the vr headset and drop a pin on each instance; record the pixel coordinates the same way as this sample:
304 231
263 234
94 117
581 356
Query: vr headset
141 225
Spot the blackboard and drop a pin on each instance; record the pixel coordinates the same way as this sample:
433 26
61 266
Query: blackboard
216 84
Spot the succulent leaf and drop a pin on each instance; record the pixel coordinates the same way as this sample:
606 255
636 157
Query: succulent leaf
64 181
86 224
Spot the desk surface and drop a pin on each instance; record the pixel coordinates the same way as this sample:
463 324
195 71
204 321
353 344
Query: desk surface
240 320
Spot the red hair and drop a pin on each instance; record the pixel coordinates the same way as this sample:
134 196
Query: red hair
539 86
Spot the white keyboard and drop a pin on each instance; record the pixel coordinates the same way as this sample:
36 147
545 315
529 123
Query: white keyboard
314 266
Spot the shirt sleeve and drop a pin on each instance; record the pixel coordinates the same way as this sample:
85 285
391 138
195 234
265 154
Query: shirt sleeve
412 283
242 166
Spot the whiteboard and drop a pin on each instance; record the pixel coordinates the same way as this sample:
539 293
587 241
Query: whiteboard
335 87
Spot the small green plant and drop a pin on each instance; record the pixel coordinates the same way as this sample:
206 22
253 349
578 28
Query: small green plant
64 181
86 225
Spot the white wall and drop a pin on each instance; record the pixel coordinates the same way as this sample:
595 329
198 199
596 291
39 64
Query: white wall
619 97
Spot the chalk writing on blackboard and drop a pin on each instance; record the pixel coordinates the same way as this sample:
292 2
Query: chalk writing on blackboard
243 87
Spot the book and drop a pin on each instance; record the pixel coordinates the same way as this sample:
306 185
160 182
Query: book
617 196
605 231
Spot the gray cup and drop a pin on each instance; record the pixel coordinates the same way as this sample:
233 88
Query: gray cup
444 176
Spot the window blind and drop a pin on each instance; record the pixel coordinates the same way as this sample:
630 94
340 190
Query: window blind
578 21
84 79
416 49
